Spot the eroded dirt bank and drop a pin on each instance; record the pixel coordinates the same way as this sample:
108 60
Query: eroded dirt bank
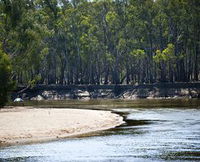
58 92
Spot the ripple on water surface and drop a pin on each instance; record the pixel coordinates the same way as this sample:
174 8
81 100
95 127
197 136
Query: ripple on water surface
149 134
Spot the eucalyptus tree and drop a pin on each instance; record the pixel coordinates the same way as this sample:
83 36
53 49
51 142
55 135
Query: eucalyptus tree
22 35
101 42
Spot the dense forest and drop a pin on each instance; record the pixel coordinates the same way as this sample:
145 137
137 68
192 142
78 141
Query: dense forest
99 41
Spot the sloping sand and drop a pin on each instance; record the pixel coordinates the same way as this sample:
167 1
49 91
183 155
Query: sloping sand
27 125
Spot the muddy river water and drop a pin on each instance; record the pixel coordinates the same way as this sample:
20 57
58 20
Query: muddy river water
160 131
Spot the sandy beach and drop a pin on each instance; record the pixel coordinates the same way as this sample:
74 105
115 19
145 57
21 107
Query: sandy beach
21 125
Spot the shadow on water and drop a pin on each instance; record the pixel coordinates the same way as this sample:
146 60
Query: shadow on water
18 159
183 155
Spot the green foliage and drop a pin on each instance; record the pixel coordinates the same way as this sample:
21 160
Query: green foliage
166 55
109 58
81 41
138 54
35 80
5 81
111 17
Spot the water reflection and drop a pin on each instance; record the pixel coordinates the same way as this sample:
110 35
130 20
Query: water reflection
156 134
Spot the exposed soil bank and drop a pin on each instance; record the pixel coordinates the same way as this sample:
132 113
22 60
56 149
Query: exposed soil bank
22 125
57 92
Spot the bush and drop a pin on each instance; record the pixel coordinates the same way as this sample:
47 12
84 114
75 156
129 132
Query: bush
5 78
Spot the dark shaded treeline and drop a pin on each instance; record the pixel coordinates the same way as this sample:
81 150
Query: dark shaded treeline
102 41
63 92
107 87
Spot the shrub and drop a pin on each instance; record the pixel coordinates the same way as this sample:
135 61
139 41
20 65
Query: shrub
5 77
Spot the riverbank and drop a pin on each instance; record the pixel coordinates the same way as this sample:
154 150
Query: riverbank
129 92
22 125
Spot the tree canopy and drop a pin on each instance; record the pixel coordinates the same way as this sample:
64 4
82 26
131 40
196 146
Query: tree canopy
100 41
5 80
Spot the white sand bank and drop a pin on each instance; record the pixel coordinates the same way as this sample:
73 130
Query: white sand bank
21 125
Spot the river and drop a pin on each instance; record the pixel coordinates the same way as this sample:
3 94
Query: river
163 130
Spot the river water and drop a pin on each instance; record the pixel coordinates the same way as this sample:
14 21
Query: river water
154 133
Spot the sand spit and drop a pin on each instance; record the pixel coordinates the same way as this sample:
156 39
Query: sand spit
21 125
